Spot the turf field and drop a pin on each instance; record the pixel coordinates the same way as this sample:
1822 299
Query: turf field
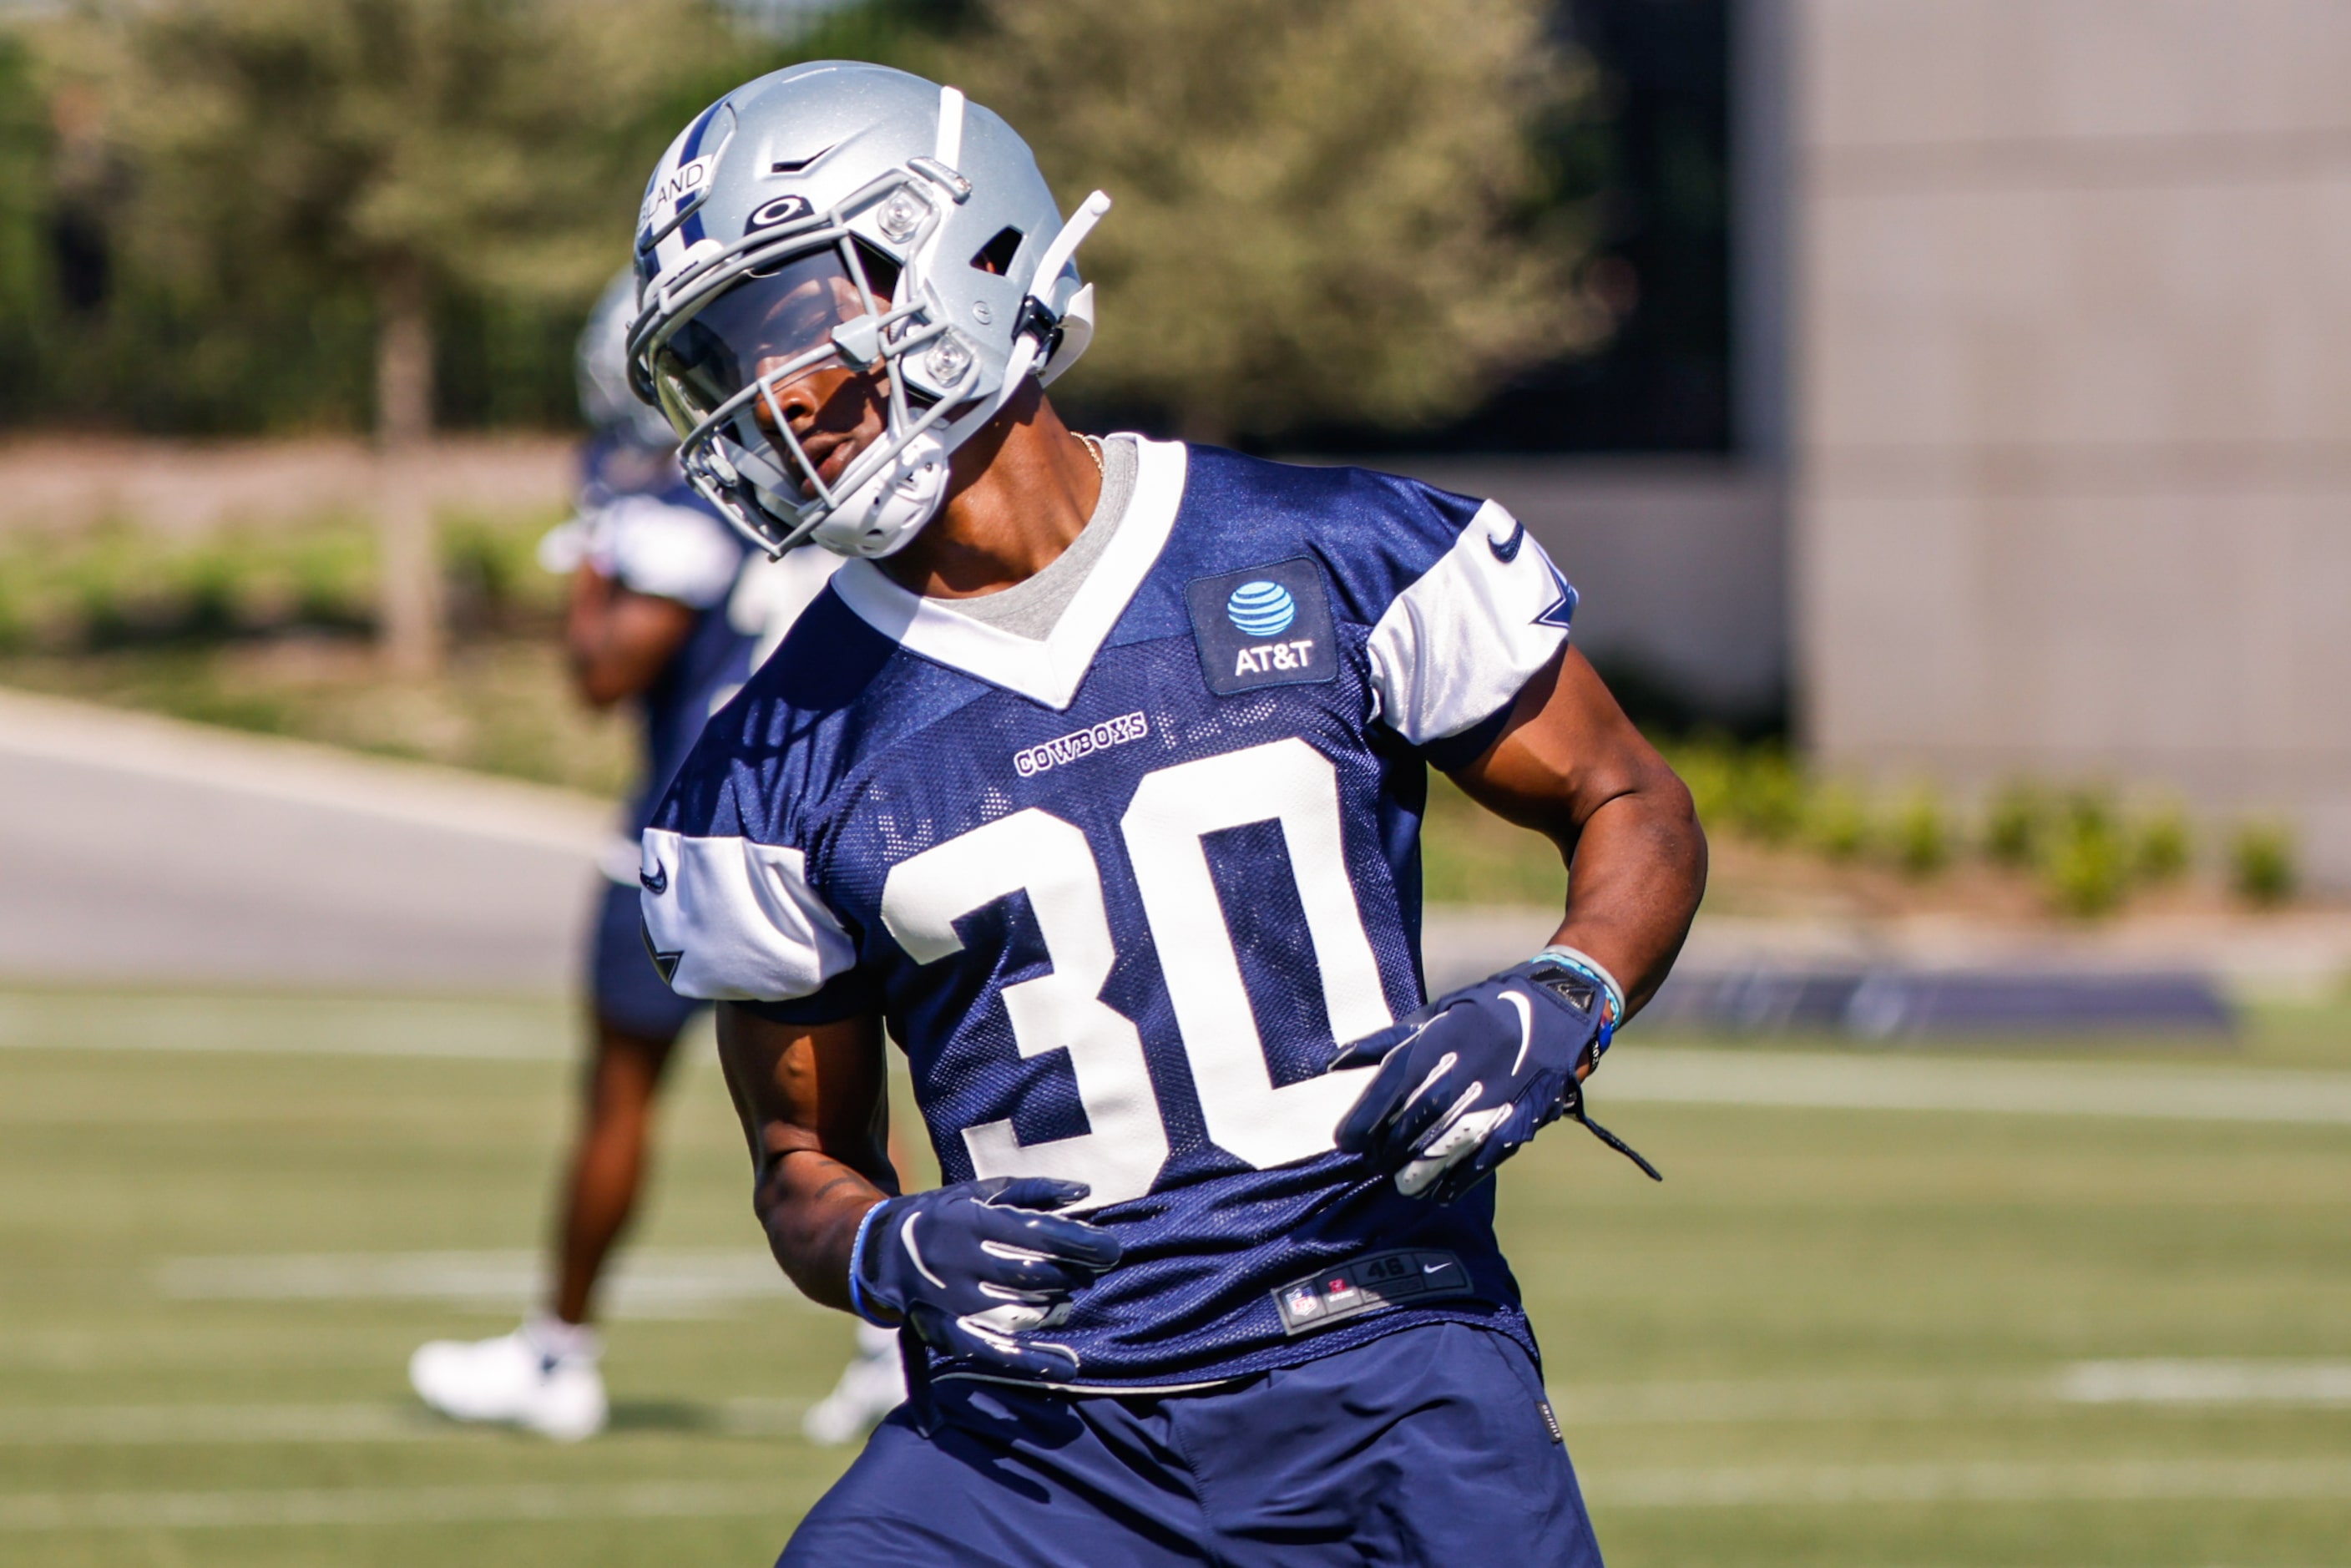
1849 1329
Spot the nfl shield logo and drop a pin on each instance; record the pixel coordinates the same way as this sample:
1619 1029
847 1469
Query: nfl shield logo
1304 1303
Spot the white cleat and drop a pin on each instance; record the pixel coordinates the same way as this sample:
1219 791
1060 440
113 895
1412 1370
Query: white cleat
871 1385
541 1377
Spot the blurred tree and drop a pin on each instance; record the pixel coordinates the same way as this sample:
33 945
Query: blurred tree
1327 210
399 148
24 180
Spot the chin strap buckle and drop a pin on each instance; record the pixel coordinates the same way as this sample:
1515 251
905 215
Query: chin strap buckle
1038 321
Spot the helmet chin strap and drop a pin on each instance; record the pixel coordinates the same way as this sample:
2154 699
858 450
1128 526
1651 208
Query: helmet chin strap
882 515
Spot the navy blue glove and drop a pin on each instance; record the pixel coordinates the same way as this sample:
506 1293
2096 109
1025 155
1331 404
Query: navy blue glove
973 1266
1469 1078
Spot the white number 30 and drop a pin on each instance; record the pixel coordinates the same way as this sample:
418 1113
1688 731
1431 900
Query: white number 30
1285 781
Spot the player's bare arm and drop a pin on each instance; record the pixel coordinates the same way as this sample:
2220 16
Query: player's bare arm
815 1114
1570 766
972 1264
618 641
1469 1079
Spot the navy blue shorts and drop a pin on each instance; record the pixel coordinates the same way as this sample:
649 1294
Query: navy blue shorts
629 991
1432 1446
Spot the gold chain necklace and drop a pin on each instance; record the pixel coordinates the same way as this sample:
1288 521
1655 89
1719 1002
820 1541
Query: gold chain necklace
1094 451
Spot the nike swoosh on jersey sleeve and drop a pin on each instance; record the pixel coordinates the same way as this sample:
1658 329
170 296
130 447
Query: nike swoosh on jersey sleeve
1451 649
737 921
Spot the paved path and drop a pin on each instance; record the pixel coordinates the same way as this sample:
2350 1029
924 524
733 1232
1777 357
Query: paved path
144 851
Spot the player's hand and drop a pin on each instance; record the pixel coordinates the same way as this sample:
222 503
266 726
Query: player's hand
975 1266
1469 1078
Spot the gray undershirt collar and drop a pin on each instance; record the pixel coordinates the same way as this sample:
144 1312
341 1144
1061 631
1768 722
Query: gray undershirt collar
1033 607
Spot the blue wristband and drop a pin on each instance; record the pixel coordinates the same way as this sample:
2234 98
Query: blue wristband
1585 965
1612 1010
856 1257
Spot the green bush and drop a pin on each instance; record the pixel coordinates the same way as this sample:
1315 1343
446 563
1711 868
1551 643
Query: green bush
1709 772
1838 823
1757 792
2087 864
2261 863
1920 835
2085 874
1767 797
2164 845
114 586
2085 849
491 567
2016 823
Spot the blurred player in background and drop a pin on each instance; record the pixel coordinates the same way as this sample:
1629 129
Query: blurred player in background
671 609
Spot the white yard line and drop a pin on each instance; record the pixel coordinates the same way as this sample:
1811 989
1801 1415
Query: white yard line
1788 1079
2214 1384
657 1282
383 1505
139 1425
2124 1480
130 1425
282 1025
2207 1382
1830 1081
2161 1480
1730 1402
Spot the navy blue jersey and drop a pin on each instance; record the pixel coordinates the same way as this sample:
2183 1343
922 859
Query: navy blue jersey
1119 893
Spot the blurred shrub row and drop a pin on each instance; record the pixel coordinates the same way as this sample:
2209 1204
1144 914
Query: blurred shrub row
2086 847
119 587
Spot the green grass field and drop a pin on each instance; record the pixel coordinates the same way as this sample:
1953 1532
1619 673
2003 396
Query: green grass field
1897 1338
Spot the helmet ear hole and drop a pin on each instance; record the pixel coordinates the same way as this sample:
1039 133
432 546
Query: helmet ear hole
995 255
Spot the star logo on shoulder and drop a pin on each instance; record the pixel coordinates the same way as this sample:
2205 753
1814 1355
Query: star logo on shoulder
1561 610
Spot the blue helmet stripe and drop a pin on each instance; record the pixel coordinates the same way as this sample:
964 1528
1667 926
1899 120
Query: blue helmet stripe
693 148
692 230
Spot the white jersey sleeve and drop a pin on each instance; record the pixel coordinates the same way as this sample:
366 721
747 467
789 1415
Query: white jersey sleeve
729 919
1457 644
670 552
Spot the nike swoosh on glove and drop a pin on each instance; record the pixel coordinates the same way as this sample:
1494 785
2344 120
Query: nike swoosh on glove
975 1266
1469 1078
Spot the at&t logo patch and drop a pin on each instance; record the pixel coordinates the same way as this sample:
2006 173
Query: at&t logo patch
1265 626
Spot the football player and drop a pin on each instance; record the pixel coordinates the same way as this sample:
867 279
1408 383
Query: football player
1095 776
669 609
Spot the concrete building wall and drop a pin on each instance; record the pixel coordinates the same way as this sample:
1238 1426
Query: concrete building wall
1681 563
2072 490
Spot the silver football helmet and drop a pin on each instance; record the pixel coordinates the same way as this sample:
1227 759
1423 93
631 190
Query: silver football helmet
606 400
850 217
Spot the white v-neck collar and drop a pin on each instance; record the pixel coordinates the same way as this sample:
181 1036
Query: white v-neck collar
1050 670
